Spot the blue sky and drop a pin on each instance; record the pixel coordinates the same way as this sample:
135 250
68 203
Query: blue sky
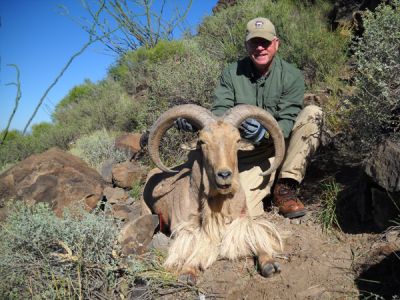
36 37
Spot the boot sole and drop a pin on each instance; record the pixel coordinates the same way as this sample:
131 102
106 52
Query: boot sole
295 214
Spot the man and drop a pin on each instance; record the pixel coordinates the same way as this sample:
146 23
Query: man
265 80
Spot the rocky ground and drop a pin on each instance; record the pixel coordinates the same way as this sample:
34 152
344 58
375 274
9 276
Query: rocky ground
360 261
314 265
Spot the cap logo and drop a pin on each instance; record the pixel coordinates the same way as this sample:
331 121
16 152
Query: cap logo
259 24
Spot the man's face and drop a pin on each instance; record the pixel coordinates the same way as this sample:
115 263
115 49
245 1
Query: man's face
262 51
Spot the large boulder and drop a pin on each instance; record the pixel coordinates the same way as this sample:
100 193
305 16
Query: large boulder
384 166
129 143
125 174
56 177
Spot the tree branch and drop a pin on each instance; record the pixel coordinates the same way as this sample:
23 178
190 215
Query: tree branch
17 98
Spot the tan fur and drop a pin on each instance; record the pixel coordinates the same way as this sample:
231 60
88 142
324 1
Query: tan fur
207 212
199 247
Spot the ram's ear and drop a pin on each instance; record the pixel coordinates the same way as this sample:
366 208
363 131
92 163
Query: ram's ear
245 145
191 145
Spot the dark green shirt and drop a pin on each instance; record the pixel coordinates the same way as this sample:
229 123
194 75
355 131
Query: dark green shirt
280 91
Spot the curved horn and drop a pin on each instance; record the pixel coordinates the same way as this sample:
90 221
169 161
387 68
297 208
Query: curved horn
199 116
239 113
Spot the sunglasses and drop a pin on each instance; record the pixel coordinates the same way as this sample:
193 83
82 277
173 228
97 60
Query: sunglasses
254 43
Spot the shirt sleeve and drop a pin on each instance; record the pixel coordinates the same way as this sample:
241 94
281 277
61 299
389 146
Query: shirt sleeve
224 94
291 103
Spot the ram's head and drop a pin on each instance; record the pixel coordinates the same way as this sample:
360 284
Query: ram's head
219 141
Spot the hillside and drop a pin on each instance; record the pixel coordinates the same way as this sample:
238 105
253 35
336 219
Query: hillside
94 154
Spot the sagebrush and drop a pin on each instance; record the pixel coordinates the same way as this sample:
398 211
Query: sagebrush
375 108
43 256
98 147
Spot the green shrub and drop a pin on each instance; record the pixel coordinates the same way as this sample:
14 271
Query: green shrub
132 71
15 149
45 257
98 147
41 129
107 106
188 79
76 257
75 94
43 137
375 108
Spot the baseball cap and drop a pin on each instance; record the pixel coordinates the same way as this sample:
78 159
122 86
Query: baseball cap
260 27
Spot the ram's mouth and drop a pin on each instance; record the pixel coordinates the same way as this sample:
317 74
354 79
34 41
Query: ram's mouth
224 186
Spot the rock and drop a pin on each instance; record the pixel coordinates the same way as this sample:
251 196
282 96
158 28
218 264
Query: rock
384 166
127 173
136 235
106 170
384 210
130 143
56 177
392 236
135 208
160 242
115 195
121 211
296 221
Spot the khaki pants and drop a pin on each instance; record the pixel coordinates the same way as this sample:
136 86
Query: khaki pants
302 143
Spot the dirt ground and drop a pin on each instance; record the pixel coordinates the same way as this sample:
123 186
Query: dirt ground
314 265
356 262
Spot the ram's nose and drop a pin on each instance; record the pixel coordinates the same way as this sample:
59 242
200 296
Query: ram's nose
224 175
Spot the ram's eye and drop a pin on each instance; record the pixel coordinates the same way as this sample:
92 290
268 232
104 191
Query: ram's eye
201 142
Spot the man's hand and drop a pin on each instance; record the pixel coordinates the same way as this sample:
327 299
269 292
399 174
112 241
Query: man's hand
183 124
252 130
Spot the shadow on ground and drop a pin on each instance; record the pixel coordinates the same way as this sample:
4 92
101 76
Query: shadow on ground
381 280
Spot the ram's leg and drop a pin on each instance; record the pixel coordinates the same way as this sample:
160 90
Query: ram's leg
267 264
190 251
189 275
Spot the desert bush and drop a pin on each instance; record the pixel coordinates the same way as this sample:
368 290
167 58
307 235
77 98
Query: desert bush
15 149
98 147
191 78
43 137
74 257
374 110
107 106
43 256
74 95
132 68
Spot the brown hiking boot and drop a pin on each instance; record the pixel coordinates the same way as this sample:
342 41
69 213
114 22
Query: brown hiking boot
285 197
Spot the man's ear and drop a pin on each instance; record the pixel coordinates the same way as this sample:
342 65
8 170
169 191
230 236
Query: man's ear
277 43
245 47
245 145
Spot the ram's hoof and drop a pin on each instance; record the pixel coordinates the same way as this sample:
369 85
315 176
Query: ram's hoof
270 268
188 278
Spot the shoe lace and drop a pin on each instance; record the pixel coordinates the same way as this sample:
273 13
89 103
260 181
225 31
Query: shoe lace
288 191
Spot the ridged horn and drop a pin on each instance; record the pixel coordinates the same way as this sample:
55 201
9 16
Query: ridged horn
238 114
197 115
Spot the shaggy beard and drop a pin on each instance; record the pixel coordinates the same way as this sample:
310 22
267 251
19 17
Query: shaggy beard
200 247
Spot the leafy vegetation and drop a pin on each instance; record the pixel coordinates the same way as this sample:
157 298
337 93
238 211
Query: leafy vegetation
74 257
375 107
98 147
44 256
